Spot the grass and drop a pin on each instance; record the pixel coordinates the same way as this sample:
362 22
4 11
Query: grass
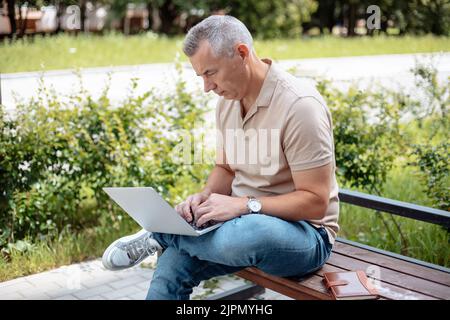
64 51
423 241
68 249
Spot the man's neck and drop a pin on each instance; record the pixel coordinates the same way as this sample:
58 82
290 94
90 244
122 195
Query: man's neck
258 74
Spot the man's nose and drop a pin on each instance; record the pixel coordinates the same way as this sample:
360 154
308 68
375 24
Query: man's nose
208 85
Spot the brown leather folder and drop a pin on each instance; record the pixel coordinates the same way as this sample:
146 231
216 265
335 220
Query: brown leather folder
350 285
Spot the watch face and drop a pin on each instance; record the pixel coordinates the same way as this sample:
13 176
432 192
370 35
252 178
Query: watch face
254 205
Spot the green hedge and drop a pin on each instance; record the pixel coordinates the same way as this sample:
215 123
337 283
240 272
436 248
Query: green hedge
57 154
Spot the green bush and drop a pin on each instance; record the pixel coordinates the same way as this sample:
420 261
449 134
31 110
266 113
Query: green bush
430 151
56 155
271 19
433 162
366 133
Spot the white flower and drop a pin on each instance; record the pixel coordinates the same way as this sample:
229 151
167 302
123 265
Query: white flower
58 153
25 166
95 137
72 50
66 167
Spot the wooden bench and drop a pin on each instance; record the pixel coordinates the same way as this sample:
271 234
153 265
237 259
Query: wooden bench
398 277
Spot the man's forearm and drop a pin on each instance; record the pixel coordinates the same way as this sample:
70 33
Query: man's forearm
295 206
219 181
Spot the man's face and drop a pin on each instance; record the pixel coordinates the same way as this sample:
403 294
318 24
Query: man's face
227 77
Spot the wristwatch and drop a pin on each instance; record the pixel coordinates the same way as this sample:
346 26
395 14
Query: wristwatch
253 205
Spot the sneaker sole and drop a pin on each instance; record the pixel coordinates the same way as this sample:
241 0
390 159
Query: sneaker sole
105 258
109 266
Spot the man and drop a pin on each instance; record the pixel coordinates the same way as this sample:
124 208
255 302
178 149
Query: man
280 208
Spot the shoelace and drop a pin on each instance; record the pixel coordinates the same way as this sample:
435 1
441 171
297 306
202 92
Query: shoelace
140 248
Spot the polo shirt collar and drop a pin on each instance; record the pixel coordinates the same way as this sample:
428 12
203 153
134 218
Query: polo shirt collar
266 93
268 87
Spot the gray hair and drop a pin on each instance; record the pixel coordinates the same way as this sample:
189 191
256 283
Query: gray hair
222 33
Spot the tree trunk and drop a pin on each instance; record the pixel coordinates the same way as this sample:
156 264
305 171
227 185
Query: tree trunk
82 14
167 14
150 15
351 19
12 17
59 13
331 18
23 21
326 15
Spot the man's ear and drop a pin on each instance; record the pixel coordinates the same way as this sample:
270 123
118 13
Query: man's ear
242 51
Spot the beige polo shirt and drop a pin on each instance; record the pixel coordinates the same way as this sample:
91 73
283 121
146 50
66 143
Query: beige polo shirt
288 128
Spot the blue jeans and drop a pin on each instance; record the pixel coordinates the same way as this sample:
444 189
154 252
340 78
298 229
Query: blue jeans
273 245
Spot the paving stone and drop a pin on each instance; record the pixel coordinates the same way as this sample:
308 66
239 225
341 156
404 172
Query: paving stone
100 280
63 292
273 295
12 282
96 298
132 281
11 296
17 286
118 293
44 287
37 296
138 296
66 297
231 284
84 294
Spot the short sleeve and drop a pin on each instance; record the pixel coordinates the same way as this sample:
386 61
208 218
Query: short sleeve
308 135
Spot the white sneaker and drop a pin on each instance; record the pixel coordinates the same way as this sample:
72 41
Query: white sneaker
128 251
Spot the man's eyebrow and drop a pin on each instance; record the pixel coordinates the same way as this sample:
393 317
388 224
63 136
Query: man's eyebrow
206 71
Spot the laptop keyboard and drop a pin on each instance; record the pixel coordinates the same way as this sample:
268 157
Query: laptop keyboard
203 226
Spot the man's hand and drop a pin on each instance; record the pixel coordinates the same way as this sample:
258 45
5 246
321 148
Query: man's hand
219 207
186 208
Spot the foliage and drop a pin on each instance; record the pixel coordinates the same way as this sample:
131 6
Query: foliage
271 19
431 152
56 155
425 16
433 162
366 132
413 17
435 101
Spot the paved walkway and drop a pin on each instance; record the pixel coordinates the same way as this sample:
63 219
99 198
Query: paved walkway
91 281
389 70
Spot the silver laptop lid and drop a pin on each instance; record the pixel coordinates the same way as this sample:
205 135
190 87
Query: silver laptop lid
150 210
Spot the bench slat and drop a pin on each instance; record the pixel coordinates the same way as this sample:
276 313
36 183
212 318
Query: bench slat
310 289
393 277
392 263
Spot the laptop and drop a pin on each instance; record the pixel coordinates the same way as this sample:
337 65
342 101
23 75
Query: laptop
153 213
